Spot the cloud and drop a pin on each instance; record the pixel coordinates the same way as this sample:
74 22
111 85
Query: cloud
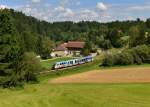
3 6
88 13
60 9
36 1
68 10
101 6
68 13
64 2
139 8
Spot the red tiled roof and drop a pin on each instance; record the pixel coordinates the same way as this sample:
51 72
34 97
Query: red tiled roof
61 47
70 44
75 44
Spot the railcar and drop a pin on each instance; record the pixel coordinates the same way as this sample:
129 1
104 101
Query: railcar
74 62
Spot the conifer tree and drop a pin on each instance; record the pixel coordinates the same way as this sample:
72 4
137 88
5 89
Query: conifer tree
10 51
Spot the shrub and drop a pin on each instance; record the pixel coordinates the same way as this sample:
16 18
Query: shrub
124 58
108 60
31 66
137 55
143 52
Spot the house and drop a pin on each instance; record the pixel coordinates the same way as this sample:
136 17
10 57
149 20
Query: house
69 49
75 47
60 50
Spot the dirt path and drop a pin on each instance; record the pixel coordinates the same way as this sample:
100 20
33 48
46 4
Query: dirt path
126 75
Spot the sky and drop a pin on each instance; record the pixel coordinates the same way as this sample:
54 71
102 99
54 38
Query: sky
78 10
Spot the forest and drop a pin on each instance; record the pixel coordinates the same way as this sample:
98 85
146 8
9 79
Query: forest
23 37
115 34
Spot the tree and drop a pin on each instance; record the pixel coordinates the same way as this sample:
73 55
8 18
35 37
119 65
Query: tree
87 48
148 23
10 51
115 38
106 44
29 41
30 66
16 66
137 36
108 60
135 55
45 46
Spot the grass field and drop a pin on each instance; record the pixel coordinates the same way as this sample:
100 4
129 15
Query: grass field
45 94
79 95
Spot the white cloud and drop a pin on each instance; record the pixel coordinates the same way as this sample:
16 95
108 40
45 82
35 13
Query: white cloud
27 10
59 8
36 1
68 13
68 10
101 6
88 13
129 18
139 8
3 6
64 2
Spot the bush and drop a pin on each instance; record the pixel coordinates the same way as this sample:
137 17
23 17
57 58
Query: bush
137 55
124 58
85 52
31 66
108 60
143 52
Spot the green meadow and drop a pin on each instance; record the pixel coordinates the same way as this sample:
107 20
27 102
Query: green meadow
44 94
77 95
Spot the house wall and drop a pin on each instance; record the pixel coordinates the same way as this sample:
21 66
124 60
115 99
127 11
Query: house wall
61 53
75 52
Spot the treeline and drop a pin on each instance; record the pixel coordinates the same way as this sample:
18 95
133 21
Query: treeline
137 49
101 35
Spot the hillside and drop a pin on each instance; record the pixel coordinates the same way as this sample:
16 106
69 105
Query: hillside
23 37
74 53
102 35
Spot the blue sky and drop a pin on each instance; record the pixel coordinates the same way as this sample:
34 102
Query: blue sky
77 10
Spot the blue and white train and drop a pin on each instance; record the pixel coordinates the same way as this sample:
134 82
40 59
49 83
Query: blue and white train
74 62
